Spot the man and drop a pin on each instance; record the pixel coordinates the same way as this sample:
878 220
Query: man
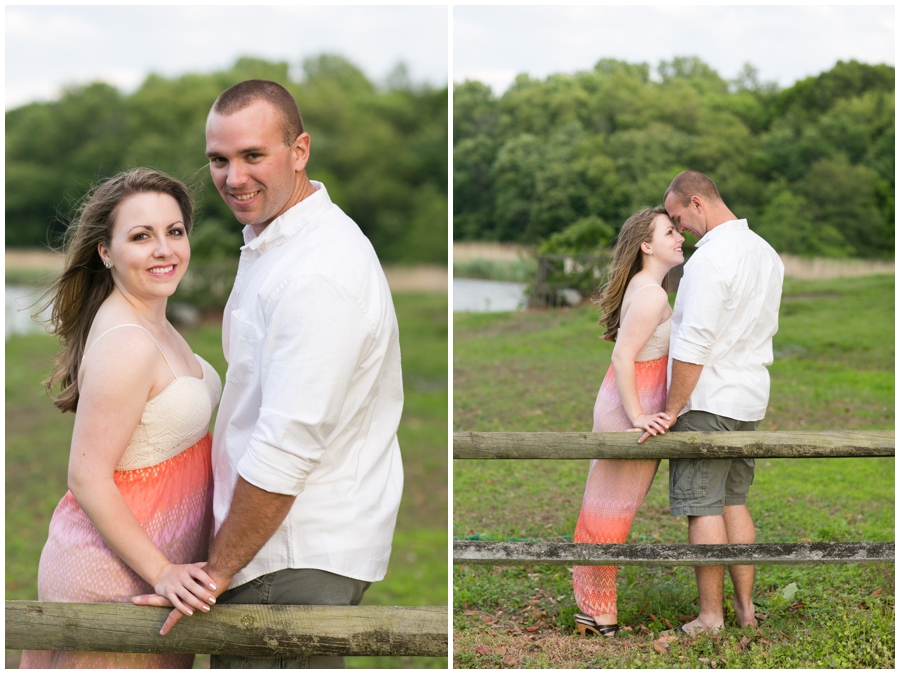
305 455
725 315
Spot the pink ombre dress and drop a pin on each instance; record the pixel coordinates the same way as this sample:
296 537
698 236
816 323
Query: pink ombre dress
165 476
617 487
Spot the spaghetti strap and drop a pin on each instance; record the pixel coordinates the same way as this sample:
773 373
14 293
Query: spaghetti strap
649 285
132 325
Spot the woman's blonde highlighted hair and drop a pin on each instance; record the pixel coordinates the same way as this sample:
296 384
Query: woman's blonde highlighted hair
626 262
75 295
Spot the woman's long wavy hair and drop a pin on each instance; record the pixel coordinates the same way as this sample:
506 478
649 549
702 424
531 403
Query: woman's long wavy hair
75 295
626 262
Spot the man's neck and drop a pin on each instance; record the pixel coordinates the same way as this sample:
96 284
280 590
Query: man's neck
720 216
304 190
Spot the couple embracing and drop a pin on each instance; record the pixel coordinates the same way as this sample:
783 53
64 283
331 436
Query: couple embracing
698 367
294 499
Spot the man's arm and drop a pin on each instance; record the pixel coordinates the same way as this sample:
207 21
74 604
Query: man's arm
684 380
254 517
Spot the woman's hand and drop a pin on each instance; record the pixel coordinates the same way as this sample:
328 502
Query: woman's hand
186 587
652 423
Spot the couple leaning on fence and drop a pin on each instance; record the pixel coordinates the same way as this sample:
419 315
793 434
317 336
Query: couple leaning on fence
294 499
699 367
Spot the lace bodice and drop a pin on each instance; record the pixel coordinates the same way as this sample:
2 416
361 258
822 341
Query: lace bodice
174 419
658 344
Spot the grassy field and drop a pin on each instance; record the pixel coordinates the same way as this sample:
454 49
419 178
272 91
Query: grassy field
37 447
540 371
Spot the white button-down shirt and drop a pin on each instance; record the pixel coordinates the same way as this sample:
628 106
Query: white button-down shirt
726 312
313 393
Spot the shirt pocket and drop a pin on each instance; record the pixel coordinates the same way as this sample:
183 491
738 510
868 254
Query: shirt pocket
244 343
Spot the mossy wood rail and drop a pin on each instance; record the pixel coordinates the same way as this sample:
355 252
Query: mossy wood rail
584 554
250 630
753 445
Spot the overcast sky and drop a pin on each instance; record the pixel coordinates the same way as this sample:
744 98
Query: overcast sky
48 47
785 44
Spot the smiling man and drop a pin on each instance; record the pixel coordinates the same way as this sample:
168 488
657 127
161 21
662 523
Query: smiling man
725 315
306 463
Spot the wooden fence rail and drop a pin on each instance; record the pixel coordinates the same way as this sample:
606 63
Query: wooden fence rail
584 554
754 445
748 445
251 630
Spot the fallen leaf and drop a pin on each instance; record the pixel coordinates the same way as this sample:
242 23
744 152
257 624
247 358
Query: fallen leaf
687 618
470 612
745 642
481 650
667 639
533 628
703 659
712 663
876 593
660 647
653 617
510 661
789 591
644 607
644 628
668 623
501 650
862 606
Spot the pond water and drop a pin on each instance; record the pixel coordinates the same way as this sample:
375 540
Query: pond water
477 295
18 311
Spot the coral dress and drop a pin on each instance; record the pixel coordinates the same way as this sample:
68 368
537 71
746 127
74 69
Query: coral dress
165 476
617 487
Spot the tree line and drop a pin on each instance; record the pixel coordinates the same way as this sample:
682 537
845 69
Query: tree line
565 160
380 150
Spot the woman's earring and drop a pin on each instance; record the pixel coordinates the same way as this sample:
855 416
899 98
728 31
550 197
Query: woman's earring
107 265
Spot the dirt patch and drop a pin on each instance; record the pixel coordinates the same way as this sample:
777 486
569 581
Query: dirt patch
33 259
481 250
423 278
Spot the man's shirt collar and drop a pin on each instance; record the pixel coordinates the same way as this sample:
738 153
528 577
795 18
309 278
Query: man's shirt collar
722 230
290 222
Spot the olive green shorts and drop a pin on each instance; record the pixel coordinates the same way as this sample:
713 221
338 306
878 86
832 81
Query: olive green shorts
705 486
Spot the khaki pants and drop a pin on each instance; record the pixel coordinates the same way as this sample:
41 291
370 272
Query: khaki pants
292 586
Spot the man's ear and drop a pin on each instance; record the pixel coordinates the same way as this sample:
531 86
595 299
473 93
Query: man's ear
696 203
300 150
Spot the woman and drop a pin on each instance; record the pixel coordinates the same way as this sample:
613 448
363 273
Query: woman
636 314
138 516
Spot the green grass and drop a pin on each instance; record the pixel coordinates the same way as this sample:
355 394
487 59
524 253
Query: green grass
37 448
539 371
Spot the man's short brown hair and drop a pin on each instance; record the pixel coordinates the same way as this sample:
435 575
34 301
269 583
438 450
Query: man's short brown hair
689 183
243 94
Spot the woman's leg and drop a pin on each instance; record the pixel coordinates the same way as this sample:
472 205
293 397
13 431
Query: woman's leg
615 490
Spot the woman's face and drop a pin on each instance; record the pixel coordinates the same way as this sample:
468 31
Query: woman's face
148 248
666 242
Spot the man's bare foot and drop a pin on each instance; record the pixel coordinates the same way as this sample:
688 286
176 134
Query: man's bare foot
692 629
745 619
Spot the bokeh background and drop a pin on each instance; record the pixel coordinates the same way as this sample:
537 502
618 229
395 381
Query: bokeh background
94 90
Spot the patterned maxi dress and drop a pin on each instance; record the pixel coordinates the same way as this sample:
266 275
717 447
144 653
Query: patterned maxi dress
617 487
165 477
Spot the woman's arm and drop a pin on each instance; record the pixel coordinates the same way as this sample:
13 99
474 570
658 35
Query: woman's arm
116 384
638 323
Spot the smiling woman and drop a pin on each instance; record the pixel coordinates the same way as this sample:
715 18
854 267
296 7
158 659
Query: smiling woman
138 515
